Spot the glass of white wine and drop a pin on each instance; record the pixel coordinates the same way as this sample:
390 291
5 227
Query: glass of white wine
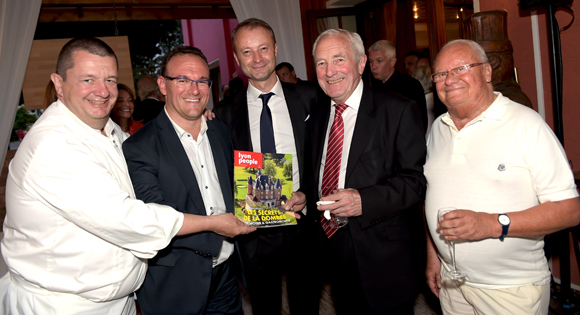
335 222
454 273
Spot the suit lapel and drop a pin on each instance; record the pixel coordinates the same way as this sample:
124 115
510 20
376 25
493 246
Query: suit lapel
363 127
181 162
219 149
296 111
241 123
320 123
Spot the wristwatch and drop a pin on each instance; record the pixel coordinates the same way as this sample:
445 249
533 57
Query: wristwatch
505 221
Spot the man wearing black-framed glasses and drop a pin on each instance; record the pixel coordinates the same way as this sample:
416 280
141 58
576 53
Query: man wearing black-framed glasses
501 166
180 159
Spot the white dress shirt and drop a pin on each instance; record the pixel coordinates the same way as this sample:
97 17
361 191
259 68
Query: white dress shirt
349 119
72 223
200 157
283 131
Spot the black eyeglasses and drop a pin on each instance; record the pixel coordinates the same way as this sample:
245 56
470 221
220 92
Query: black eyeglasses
461 70
204 84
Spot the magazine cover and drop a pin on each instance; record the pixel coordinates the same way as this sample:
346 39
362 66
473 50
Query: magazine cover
263 185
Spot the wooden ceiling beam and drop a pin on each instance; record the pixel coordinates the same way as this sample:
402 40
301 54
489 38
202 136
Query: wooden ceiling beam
134 13
135 2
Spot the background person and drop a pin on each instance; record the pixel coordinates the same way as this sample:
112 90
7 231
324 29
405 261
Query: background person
151 101
122 112
423 75
286 73
49 94
382 60
410 61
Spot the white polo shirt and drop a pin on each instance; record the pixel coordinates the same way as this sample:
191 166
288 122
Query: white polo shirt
506 160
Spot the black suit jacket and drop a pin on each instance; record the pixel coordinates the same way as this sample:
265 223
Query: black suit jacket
408 87
299 98
179 276
385 165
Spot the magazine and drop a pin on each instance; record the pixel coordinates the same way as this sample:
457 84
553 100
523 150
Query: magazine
263 184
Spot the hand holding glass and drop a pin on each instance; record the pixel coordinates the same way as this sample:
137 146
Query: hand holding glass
335 222
452 274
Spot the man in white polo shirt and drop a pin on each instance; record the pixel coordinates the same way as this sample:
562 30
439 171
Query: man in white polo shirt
503 168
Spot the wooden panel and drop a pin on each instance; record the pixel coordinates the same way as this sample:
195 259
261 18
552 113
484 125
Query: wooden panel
388 28
133 2
437 34
42 62
405 32
140 13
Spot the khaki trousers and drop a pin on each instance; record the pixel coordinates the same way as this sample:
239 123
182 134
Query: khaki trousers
457 298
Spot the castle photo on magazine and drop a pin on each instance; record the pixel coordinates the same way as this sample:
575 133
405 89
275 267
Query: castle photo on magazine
263 184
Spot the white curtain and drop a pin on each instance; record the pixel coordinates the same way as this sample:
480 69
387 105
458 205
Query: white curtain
284 18
17 25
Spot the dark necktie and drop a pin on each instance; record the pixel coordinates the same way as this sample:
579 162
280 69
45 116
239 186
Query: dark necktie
266 129
332 162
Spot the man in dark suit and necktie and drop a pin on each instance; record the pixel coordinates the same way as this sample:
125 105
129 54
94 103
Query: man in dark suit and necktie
184 161
369 155
271 116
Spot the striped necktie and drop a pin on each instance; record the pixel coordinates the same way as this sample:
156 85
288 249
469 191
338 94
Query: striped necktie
332 162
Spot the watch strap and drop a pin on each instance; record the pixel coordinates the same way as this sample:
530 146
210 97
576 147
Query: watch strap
504 227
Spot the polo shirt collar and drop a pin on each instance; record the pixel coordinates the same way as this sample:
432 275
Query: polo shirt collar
495 111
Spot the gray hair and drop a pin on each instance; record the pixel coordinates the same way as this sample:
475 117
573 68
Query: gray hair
423 75
386 46
475 47
356 42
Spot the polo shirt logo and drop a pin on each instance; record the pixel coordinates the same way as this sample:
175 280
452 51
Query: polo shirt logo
501 168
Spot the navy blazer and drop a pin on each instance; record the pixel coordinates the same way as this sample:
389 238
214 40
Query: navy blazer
385 165
179 276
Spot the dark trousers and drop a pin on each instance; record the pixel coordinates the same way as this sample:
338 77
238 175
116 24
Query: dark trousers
224 296
283 250
343 274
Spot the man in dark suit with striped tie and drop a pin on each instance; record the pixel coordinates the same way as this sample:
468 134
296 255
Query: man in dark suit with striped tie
369 155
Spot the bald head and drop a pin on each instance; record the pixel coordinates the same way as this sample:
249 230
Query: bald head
462 76
147 87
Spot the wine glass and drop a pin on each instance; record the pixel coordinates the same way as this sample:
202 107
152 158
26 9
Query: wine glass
217 211
334 221
452 274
